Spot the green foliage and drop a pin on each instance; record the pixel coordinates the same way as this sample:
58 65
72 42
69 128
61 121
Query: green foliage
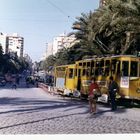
12 65
114 28
111 29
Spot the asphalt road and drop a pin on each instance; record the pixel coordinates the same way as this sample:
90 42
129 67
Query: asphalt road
33 111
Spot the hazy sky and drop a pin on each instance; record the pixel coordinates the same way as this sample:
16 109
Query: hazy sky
38 21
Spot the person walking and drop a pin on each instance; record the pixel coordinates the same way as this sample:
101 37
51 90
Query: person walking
113 89
92 99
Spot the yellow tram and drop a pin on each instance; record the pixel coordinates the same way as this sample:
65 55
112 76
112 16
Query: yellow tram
125 69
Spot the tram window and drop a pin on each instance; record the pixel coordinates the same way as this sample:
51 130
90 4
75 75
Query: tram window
113 67
100 71
92 64
92 71
96 72
107 71
125 68
134 69
107 67
102 63
97 64
84 72
70 73
107 62
88 72
88 64
84 64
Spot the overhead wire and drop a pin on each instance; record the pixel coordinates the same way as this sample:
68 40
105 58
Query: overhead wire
59 9
45 20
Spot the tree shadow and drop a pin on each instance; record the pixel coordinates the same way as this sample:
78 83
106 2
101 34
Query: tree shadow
31 105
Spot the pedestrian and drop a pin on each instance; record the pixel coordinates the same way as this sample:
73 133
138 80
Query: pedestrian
113 89
36 82
93 89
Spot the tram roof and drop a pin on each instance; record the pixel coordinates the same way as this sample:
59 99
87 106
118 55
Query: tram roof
108 57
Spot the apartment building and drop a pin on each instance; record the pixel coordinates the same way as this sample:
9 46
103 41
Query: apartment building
15 44
49 49
12 44
4 42
59 42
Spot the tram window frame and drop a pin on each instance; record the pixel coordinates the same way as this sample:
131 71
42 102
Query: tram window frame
97 64
71 73
107 67
125 68
99 69
134 70
118 67
88 64
113 66
101 63
80 64
79 72
76 72
60 71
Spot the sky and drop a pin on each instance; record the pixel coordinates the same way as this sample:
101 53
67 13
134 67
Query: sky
39 21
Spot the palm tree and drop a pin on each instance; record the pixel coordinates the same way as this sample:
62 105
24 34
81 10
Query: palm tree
114 28
119 25
85 34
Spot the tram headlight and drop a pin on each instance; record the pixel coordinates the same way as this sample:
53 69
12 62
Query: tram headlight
138 90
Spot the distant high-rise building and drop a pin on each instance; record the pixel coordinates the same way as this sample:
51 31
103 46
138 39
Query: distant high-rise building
49 49
63 41
15 44
4 42
12 44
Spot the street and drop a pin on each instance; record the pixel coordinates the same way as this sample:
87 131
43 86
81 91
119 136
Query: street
33 111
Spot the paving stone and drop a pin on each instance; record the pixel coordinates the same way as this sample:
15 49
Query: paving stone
33 111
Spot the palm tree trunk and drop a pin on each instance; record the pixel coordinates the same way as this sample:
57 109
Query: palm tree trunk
127 43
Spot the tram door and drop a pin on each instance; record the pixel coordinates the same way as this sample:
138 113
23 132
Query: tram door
70 77
79 70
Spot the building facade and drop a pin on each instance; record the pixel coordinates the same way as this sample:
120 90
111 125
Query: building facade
4 42
15 44
49 49
12 44
59 42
